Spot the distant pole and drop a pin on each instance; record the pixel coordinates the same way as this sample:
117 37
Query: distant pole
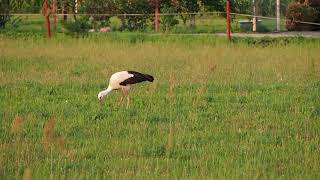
54 12
157 16
254 19
46 13
278 15
228 20
76 6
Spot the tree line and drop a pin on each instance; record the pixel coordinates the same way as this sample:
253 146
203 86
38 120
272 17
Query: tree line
263 7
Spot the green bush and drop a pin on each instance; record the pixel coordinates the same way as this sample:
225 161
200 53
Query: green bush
300 12
78 27
168 21
115 23
4 9
316 4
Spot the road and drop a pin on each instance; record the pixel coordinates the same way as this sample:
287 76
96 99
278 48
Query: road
312 34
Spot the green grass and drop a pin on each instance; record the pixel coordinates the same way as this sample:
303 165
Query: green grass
248 109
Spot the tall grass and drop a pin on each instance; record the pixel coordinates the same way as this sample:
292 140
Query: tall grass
241 110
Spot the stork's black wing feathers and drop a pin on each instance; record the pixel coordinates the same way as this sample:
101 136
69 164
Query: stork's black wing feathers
137 77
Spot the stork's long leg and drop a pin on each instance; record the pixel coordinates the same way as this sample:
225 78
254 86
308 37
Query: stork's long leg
126 94
121 99
128 100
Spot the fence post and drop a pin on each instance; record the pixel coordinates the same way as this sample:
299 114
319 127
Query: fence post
278 15
54 12
46 13
157 16
254 19
228 20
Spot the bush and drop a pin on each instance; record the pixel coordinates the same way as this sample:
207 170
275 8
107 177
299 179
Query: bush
99 7
4 9
115 23
316 4
168 21
300 12
78 27
3 20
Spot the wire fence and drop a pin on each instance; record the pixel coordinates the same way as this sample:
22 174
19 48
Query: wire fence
159 14
204 22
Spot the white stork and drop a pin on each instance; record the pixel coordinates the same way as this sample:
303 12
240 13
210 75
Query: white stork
122 81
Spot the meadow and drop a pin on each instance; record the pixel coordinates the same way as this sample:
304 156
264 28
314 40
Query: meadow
247 109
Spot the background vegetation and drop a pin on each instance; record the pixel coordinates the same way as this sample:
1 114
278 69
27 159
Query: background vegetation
305 11
300 10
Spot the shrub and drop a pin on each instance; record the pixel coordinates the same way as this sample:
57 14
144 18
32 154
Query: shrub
99 7
300 12
316 4
115 23
168 21
77 27
4 9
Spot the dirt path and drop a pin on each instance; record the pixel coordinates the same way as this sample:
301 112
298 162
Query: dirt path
313 34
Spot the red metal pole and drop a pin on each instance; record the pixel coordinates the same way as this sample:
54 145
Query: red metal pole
46 13
228 20
157 16
54 12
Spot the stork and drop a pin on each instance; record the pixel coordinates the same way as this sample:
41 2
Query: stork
122 81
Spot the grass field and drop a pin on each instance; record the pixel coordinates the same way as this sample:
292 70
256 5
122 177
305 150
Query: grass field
215 109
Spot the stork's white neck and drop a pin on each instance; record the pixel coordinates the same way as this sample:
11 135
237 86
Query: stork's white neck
104 92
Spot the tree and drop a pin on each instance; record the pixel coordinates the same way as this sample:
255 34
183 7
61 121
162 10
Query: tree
68 6
168 21
100 7
236 6
300 12
303 10
316 5
268 7
135 7
187 6
26 6
4 9
242 6
218 5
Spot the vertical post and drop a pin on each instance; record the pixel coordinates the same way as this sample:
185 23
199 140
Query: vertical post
64 9
278 15
46 13
54 12
228 20
254 19
157 17
76 6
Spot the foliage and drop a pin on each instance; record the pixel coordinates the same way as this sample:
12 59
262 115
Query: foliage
168 21
316 4
4 9
241 6
268 7
187 6
79 27
26 6
300 12
115 23
218 5
236 6
15 21
135 7
100 7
